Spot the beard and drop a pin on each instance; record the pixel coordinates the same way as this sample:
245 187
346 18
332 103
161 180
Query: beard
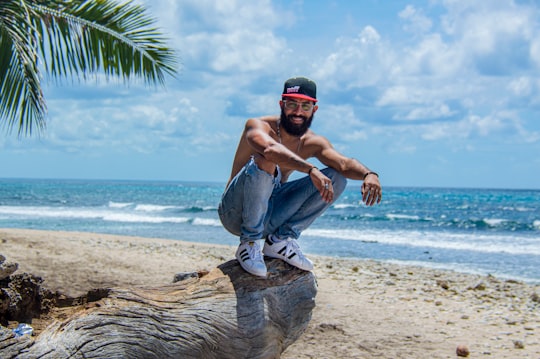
292 128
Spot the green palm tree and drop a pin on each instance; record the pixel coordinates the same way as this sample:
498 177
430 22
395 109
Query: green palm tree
72 38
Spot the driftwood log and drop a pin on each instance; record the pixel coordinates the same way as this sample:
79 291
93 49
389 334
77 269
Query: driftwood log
226 313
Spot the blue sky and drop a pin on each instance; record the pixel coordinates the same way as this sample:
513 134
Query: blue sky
427 93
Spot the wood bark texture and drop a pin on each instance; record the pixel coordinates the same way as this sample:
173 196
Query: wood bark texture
226 313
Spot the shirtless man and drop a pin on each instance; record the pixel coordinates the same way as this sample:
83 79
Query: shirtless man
265 210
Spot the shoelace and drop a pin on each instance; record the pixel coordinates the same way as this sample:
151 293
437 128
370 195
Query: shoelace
254 252
292 246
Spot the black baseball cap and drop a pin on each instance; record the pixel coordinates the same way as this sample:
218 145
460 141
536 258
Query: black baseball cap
300 87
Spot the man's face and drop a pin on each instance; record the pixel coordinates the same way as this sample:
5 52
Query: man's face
297 115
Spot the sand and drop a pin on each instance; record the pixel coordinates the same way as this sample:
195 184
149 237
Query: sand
364 309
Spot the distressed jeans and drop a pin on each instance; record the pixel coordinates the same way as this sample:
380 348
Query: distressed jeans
256 203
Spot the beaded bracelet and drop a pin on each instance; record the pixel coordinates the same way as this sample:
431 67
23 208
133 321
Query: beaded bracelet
311 169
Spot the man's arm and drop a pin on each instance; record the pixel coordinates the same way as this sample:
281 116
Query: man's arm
350 168
257 134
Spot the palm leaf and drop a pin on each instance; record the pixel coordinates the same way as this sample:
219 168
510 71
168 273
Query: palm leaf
21 98
73 39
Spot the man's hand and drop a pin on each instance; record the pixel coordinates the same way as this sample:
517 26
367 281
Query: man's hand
323 184
371 190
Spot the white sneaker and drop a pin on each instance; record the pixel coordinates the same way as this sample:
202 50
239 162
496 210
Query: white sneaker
289 251
250 256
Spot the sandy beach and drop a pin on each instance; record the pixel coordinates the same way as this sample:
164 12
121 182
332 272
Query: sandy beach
364 309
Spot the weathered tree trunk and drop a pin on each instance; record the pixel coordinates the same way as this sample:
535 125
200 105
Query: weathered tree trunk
227 313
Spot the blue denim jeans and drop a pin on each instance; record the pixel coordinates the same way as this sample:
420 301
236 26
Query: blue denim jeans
256 203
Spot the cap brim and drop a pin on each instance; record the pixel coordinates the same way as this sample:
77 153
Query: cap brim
303 97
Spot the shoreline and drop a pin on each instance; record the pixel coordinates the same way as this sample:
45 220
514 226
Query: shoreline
364 308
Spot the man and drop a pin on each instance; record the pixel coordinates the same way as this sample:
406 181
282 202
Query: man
260 206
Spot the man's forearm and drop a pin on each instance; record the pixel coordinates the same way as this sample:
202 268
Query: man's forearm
284 157
356 170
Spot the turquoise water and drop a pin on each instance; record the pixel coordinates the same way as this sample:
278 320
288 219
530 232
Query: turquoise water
486 231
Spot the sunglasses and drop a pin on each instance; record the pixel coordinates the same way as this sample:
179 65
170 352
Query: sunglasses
293 105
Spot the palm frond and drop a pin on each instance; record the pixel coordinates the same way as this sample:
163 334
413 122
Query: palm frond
90 36
73 38
21 98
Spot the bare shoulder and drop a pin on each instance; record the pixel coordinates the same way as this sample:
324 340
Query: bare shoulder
311 139
321 148
262 121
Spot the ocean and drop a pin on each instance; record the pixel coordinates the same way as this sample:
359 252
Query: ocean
480 231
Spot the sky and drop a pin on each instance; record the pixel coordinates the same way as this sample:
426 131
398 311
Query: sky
436 93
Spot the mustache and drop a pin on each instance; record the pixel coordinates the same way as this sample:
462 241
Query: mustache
291 117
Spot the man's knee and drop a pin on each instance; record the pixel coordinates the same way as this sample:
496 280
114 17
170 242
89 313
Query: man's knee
339 181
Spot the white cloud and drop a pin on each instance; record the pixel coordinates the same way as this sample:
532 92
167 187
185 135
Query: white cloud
332 119
504 124
417 20
522 86
229 35
466 70
535 51
431 112
121 124
369 35
360 61
498 36
434 58
398 95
